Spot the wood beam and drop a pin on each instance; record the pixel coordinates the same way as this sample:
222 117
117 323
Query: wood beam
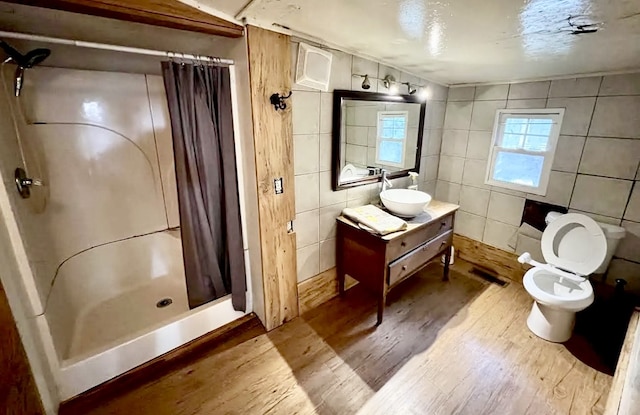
166 13
269 73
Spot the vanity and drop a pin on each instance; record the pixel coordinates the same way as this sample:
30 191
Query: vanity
380 263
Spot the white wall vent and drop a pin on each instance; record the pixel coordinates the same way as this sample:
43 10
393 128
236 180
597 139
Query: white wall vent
314 67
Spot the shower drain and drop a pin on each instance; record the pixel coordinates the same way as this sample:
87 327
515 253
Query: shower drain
164 302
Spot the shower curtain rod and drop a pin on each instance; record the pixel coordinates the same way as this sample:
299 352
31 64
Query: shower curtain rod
104 46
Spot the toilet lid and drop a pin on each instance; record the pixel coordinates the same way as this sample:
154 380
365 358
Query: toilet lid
575 243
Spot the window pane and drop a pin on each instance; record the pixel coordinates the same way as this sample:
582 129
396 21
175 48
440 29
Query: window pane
515 126
387 123
536 143
520 169
390 151
399 122
512 141
539 127
398 134
387 133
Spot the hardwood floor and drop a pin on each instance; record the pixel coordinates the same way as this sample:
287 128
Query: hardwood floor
444 347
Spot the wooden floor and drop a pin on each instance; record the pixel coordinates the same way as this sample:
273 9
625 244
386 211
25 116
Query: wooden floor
457 347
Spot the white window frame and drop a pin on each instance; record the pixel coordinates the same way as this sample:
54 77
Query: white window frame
557 114
403 141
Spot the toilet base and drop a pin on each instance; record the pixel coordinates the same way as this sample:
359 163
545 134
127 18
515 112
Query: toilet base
552 324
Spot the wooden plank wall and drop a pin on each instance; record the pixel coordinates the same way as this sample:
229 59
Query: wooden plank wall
320 289
168 13
270 72
18 393
494 260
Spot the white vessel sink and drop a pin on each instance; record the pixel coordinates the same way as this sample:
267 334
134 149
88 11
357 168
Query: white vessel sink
404 202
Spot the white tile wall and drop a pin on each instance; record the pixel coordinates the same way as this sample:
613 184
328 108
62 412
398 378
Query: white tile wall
469 225
616 117
499 234
478 145
601 195
492 92
306 119
474 200
451 168
568 153
447 191
317 205
307 228
454 142
458 115
595 170
577 114
628 84
306 158
612 157
576 87
526 103
559 190
528 90
461 94
633 208
505 208
484 114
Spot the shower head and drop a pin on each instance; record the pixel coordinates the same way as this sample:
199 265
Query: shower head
31 59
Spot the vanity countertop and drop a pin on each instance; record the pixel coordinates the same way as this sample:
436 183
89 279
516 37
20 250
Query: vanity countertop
434 211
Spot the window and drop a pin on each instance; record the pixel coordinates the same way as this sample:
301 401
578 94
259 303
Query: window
391 137
522 149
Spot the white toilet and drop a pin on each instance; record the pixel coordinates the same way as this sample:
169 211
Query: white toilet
574 247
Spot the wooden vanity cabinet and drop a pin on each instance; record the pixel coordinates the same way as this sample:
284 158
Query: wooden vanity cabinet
381 262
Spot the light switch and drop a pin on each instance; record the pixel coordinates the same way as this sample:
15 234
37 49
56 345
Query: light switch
277 185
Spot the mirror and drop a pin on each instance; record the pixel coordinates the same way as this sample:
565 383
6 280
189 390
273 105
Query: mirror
372 132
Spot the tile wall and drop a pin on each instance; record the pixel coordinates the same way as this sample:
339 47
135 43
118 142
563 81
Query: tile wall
595 169
317 206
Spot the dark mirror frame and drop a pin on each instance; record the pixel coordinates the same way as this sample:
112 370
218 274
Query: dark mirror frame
340 95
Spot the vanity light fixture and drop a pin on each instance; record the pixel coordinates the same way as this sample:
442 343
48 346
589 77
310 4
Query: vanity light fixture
388 81
365 83
410 88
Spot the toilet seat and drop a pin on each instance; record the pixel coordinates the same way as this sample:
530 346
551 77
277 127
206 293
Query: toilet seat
553 290
574 243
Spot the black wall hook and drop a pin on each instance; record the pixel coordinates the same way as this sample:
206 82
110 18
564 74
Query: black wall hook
277 101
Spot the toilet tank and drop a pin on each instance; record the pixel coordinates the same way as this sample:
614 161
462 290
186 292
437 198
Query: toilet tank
613 233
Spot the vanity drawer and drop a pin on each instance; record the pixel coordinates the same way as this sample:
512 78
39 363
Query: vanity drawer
414 260
406 243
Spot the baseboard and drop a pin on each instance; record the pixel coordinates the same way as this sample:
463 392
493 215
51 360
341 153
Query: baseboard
320 289
495 260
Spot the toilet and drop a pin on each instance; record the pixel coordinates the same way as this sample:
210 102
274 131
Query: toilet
574 246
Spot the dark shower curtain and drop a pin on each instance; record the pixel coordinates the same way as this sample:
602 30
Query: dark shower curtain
199 99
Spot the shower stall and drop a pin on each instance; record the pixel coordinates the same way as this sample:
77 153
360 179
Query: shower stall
101 228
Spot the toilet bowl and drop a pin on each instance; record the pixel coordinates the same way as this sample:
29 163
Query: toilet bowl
574 246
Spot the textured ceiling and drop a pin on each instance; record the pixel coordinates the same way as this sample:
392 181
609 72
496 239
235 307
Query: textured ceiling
466 41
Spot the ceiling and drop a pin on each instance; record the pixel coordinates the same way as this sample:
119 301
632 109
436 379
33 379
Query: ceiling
465 41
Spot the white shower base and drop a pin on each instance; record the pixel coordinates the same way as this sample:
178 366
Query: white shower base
102 312
130 312
84 372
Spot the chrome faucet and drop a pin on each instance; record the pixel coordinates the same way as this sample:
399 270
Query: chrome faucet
385 182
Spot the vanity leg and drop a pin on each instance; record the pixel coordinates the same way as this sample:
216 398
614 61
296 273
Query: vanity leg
341 279
340 261
381 303
447 258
